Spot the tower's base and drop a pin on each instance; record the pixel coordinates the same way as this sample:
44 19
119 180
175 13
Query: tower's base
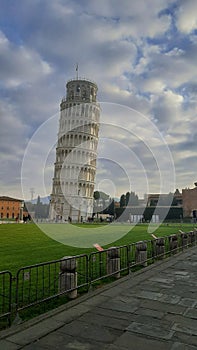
66 212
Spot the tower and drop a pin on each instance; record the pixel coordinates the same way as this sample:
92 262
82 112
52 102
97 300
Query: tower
76 152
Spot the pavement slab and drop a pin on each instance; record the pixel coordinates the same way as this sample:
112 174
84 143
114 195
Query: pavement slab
148 312
189 302
185 338
163 307
191 313
37 331
105 321
131 341
119 305
152 330
63 342
7 345
181 346
69 315
86 330
115 314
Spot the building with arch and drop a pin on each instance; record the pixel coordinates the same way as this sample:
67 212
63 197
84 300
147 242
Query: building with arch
76 153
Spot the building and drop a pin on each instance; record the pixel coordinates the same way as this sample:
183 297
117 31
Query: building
187 200
11 208
165 199
76 153
189 196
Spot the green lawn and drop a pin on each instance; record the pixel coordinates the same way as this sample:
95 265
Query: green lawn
26 244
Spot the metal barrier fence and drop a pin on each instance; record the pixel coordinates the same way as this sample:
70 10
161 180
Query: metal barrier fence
5 297
109 262
39 283
45 281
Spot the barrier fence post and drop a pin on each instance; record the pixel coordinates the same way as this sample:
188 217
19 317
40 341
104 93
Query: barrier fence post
113 262
141 253
68 276
173 243
184 237
195 236
191 237
160 248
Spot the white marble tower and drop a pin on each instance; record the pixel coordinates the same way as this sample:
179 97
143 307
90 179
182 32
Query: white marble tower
76 153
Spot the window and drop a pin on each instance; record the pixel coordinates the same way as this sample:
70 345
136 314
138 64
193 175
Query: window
12 215
1 215
72 95
7 215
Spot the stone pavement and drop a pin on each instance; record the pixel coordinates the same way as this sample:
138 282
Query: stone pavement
154 309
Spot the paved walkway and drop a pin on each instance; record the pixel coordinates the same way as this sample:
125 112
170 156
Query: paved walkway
155 309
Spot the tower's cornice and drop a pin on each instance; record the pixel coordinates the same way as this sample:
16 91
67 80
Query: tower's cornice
81 79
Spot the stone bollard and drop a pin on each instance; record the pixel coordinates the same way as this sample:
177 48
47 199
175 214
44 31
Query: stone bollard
160 248
141 253
184 237
68 276
113 262
195 236
191 237
173 242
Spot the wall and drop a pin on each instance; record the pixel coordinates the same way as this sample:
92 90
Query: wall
9 208
189 201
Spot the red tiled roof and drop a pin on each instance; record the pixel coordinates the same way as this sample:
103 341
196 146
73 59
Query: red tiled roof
6 198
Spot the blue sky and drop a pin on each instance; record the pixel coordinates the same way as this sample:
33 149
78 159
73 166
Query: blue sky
142 55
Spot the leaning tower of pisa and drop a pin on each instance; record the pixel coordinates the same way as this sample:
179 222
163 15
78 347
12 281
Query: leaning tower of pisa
76 153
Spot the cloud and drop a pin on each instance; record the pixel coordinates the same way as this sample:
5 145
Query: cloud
13 141
186 19
159 68
143 15
142 54
20 65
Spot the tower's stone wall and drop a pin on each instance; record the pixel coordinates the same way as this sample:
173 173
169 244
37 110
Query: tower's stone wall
76 153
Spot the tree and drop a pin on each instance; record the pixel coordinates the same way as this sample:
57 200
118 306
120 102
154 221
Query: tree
110 208
134 201
96 195
123 200
127 198
41 210
38 208
100 195
130 199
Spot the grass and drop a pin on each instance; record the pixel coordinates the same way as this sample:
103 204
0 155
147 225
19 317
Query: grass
26 244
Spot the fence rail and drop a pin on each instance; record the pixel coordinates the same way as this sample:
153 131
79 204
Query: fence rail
5 297
36 284
45 281
109 262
